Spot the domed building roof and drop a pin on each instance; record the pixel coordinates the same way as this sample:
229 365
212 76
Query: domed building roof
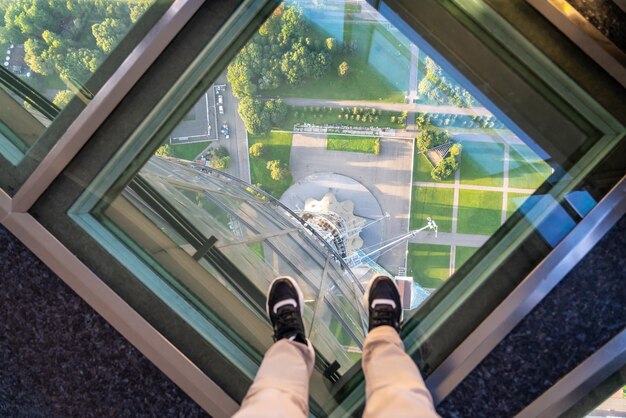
335 221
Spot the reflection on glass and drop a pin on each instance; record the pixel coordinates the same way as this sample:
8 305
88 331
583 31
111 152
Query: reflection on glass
50 49
252 240
346 152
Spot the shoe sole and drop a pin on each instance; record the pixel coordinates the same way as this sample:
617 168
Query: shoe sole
366 296
293 282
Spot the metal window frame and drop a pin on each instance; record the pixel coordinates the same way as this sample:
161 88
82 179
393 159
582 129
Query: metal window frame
103 103
580 381
22 162
13 212
15 217
529 293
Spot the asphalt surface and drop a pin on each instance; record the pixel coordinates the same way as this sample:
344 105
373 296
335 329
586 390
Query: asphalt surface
387 176
237 144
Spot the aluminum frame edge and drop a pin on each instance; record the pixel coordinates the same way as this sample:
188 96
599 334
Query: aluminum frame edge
579 381
120 315
528 293
105 101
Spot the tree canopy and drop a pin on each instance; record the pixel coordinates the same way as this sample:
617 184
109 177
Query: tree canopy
258 116
62 98
69 38
436 88
257 150
220 158
428 139
445 169
278 170
285 50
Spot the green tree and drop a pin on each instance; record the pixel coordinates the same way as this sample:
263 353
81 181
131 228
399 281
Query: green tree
428 139
239 76
163 151
257 150
78 64
62 98
221 163
331 44
253 116
108 33
138 8
278 170
455 150
35 55
219 152
445 169
344 69
276 110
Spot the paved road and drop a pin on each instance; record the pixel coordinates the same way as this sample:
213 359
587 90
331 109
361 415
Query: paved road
450 238
474 187
455 216
461 135
237 145
396 107
387 176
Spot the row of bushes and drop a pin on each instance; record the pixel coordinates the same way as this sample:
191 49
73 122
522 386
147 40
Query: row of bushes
424 120
364 117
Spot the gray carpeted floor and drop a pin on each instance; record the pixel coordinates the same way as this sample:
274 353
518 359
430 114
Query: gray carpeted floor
59 358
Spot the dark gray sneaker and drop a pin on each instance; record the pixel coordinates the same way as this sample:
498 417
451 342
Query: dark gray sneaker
284 306
382 299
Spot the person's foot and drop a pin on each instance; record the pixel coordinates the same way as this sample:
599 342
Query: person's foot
284 306
382 299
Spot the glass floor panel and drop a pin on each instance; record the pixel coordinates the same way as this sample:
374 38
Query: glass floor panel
332 115
337 115
332 148
51 49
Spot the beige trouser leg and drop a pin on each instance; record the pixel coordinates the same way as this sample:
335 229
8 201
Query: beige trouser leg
393 385
281 386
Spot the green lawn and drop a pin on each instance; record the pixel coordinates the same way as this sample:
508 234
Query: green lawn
378 54
422 168
526 170
363 144
482 163
187 151
514 201
363 83
431 202
479 212
429 264
462 255
277 147
326 117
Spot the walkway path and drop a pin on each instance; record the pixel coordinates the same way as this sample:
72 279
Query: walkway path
454 185
453 238
387 176
394 107
455 215
449 238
